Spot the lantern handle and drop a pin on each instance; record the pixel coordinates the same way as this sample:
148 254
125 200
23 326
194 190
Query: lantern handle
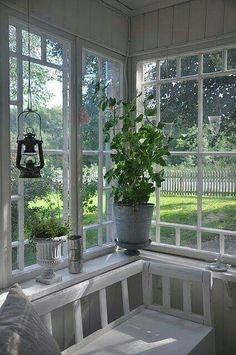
26 113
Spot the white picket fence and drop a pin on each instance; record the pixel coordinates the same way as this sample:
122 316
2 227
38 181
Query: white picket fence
215 182
218 182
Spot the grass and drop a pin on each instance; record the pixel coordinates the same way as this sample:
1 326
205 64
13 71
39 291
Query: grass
218 212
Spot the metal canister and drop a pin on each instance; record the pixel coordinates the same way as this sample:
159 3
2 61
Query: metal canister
75 253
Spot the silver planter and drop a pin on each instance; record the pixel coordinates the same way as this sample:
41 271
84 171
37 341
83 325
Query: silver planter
133 226
75 254
48 254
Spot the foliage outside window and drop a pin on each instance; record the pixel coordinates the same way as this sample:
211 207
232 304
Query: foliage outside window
195 100
34 199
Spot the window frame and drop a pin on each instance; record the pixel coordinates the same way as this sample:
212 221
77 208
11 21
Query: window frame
200 153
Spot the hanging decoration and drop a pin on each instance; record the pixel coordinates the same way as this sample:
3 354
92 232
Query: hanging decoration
29 158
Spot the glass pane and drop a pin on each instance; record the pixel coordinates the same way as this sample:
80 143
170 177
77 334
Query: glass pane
13 78
12 38
90 77
30 255
188 238
91 238
153 232
231 58
107 205
14 175
43 197
14 258
14 221
46 86
218 201
179 106
168 68
178 202
90 187
149 71
168 235
230 244
219 113
54 52
211 242
13 125
189 65
111 76
150 102
107 231
212 62
35 45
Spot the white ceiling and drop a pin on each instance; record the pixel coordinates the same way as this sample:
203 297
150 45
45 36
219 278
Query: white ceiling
135 7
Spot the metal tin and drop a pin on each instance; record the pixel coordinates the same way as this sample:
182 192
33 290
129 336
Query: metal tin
75 254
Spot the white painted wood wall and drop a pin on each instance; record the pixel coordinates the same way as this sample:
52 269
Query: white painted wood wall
87 19
182 24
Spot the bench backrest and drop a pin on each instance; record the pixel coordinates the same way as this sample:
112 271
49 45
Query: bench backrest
188 276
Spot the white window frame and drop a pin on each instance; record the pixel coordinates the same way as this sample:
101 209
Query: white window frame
199 77
100 153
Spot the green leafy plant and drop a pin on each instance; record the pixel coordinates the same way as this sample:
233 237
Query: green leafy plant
49 228
139 148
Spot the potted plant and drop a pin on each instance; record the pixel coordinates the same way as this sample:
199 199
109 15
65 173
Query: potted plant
139 151
48 234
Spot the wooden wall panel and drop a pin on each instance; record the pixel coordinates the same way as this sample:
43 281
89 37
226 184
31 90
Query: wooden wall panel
88 19
230 16
180 23
150 30
137 33
214 18
165 27
197 20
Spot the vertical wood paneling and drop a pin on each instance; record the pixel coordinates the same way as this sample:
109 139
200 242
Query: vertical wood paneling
96 22
83 20
180 23
165 27
119 31
197 14
214 18
230 16
150 30
137 33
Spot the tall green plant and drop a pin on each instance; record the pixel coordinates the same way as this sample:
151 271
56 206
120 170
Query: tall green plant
139 149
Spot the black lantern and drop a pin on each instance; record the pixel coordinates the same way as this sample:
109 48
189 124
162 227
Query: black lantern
29 158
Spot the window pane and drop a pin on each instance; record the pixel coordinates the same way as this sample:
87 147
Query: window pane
189 65
12 38
54 52
13 78
231 58
13 125
178 201
218 201
30 256
14 221
212 62
211 242
230 244
149 71
188 238
90 77
91 238
90 187
35 45
168 68
219 114
167 235
43 197
14 175
111 76
179 106
14 258
150 101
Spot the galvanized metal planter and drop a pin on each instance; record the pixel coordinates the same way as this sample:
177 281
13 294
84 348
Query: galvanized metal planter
48 254
133 226
75 254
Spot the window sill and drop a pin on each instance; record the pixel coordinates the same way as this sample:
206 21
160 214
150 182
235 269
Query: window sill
104 263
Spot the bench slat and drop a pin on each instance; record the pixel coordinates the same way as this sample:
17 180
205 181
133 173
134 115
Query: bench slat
78 321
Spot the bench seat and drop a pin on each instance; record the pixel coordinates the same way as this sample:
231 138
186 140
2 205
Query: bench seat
152 332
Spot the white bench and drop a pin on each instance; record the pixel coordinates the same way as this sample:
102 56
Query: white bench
148 329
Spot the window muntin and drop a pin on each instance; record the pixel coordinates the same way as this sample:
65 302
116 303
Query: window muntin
97 206
50 85
196 205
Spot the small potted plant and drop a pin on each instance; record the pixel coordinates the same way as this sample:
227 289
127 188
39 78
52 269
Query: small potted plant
139 151
48 234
